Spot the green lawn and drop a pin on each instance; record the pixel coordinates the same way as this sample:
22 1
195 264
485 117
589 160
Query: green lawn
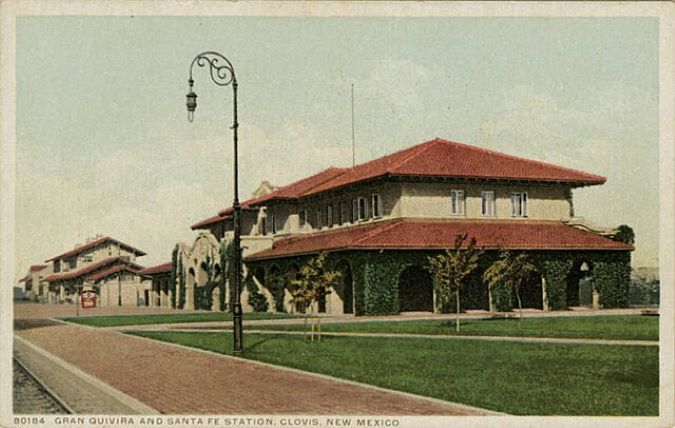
635 327
121 320
516 378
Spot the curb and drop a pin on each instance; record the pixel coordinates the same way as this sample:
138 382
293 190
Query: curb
125 399
480 411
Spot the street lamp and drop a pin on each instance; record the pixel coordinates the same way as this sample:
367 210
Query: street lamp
222 74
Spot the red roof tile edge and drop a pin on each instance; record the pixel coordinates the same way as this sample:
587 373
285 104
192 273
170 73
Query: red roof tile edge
387 235
87 269
152 270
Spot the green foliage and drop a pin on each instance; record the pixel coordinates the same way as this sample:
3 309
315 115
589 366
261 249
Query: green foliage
451 269
555 269
380 288
512 271
624 234
314 280
174 273
256 299
278 284
203 296
612 279
501 298
181 284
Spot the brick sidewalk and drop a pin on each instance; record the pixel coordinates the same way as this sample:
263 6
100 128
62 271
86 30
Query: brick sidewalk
174 380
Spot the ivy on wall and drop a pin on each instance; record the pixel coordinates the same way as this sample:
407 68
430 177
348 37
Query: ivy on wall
611 276
226 256
174 273
181 285
555 267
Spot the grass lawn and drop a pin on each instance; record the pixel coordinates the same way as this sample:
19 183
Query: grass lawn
516 378
635 327
120 320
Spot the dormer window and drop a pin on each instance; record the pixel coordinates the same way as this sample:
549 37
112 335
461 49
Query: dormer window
488 203
376 205
457 202
519 204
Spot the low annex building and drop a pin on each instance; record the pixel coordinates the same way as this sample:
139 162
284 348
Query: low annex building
34 283
102 264
380 221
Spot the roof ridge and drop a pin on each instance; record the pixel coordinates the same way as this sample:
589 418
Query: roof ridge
421 148
514 157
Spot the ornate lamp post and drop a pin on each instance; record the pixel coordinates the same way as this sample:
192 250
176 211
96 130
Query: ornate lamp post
222 74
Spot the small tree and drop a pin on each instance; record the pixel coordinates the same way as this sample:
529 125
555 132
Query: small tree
313 282
512 271
452 268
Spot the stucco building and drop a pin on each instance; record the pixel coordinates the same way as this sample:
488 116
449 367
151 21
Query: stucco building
102 264
379 221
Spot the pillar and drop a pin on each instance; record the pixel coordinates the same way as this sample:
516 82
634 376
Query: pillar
544 304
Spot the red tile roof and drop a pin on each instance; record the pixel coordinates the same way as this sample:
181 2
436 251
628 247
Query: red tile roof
94 244
37 268
25 278
106 273
209 221
163 268
89 269
435 158
426 234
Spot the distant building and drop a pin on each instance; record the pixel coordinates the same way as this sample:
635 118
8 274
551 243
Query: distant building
34 283
102 264
379 222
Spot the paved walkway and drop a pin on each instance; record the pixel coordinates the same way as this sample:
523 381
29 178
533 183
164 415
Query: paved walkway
175 380
79 392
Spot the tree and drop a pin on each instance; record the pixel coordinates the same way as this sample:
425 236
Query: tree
452 268
512 271
313 282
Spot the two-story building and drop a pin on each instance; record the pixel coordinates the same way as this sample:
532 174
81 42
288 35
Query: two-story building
102 264
381 220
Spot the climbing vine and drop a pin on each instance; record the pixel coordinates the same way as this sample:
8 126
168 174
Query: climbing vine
181 284
226 255
174 272
256 299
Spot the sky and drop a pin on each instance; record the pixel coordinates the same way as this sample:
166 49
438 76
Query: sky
103 144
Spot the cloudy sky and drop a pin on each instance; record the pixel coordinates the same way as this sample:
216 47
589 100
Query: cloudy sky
104 146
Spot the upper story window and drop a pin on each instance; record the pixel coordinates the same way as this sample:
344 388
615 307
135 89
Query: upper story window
71 264
488 203
87 258
273 223
303 217
329 215
519 204
362 208
344 213
375 205
318 224
457 202
57 266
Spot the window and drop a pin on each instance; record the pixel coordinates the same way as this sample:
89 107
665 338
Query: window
488 203
273 223
72 263
355 210
363 209
344 212
87 259
457 202
303 217
318 224
329 215
57 266
519 204
375 205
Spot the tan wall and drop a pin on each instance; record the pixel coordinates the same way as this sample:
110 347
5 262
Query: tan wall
132 291
432 200
288 215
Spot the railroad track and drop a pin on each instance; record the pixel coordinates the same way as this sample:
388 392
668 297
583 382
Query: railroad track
32 396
